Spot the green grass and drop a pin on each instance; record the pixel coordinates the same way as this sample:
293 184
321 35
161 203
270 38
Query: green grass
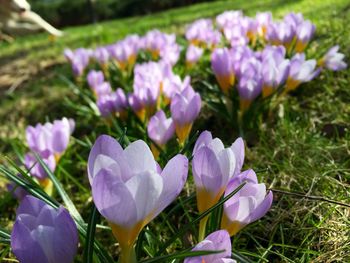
304 147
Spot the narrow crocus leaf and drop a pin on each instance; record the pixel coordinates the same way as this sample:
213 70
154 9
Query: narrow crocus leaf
90 235
65 197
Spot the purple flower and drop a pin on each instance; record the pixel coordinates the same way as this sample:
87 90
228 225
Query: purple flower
222 65
213 165
95 78
301 71
304 33
185 108
333 60
17 191
193 54
229 18
160 129
43 234
79 59
50 138
250 83
101 54
36 169
276 71
110 103
173 84
102 89
128 189
263 20
125 52
248 205
216 241
237 35
201 33
280 33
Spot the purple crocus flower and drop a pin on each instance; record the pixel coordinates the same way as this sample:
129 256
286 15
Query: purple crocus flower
248 205
173 84
95 78
220 165
304 33
115 102
50 138
250 83
128 189
301 71
264 20
193 54
101 55
102 89
185 108
213 165
216 241
36 169
125 52
17 191
222 65
229 18
237 35
79 59
202 33
333 60
276 71
160 128
280 33
43 234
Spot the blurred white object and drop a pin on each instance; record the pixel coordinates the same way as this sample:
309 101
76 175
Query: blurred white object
16 18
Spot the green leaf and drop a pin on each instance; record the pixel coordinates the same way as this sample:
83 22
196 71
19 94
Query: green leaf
89 240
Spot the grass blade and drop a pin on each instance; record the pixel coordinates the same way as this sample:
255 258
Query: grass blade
90 236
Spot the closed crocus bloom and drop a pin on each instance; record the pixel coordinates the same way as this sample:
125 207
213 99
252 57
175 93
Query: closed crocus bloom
248 205
193 54
185 108
333 60
216 241
101 54
160 129
301 71
304 33
61 132
95 78
213 165
79 59
250 83
43 234
129 190
102 89
263 20
222 66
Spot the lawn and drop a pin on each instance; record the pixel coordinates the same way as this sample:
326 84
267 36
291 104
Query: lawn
302 152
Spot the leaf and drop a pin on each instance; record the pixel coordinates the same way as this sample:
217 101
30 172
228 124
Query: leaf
90 236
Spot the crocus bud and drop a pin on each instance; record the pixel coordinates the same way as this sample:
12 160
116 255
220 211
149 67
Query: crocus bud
216 241
61 132
248 205
160 129
185 108
333 60
222 66
101 54
43 234
102 89
128 189
193 54
95 78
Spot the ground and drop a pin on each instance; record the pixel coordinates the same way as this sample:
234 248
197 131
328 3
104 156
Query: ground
304 149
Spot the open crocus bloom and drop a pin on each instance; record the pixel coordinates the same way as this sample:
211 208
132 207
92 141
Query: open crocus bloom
216 241
248 205
129 190
43 234
333 59
301 71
